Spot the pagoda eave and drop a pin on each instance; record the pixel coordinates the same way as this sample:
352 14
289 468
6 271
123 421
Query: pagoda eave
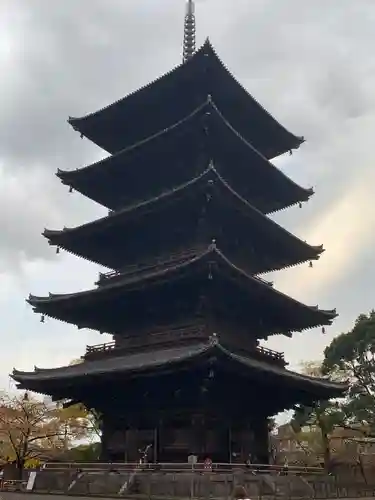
213 274
183 142
224 200
117 269
195 79
170 360
51 234
102 191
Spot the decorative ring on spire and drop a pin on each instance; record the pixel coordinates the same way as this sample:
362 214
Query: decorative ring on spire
189 44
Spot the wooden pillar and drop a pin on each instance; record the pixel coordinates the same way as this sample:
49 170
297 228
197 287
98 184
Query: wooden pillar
104 441
261 439
162 426
197 436
131 450
247 443
107 430
230 443
156 443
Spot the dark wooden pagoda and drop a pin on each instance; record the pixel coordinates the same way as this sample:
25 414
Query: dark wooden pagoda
188 186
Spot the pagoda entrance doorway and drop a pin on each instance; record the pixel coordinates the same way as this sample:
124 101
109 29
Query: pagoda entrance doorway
177 444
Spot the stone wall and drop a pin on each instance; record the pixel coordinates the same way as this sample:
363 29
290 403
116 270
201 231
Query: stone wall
196 484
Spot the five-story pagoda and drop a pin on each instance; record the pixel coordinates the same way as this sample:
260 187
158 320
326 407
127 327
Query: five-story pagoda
188 186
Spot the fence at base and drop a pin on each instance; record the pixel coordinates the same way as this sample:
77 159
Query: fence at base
159 481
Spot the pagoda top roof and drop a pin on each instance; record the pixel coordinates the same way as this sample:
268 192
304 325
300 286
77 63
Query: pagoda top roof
153 362
172 96
210 266
172 154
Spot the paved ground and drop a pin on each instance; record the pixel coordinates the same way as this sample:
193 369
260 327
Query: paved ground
33 496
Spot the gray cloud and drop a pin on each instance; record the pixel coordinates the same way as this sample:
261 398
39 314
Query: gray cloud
67 59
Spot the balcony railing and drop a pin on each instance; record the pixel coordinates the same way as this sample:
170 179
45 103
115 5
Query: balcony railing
146 267
270 353
166 336
157 264
175 333
98 348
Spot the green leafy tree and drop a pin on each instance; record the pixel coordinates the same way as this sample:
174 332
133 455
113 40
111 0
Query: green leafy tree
93 417
321 419
75 420
353 353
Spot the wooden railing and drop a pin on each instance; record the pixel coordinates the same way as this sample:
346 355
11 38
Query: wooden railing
162 335
158 263
180 467
177 334
109 346
151 265
271 353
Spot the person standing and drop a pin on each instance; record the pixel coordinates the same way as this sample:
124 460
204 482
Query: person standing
240 493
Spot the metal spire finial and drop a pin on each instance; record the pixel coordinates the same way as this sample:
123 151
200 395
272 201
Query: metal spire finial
189 31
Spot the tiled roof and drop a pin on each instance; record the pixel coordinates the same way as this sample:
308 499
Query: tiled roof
153 360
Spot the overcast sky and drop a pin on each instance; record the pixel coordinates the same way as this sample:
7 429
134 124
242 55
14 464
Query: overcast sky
311 63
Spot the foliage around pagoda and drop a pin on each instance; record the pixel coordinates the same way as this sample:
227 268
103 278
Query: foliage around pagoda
32 431
351 357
